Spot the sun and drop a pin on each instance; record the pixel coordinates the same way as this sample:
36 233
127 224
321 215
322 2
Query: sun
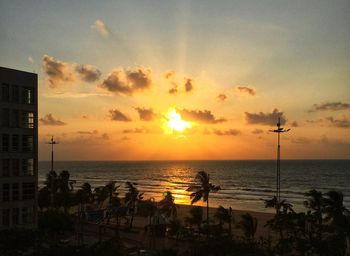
175 123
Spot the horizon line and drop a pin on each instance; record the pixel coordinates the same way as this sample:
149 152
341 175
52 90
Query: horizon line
183 160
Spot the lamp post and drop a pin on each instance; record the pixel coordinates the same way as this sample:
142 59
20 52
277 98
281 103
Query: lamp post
279 130
52 143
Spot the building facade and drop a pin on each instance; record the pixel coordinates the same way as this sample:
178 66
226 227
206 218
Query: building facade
18 148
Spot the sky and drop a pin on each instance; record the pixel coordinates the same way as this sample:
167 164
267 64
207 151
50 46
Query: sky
163 80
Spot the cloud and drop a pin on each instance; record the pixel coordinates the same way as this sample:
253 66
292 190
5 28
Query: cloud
146 114
169 74
201 116
294 124
31 60
100 27
136 130
48 119
301 140
88 73
173 90
126 82
116 115
339 123
88 132
258 131
330 106
222 97
57 71
177 81
246 90
230 132
265 118
188 85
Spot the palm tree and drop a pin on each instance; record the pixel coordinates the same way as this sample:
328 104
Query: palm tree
225 215
249 225
131 198
315 202
202 189
337 214
168 206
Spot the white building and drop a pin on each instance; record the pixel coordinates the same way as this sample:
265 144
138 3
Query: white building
18 148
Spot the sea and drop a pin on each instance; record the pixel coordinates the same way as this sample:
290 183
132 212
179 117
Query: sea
245 184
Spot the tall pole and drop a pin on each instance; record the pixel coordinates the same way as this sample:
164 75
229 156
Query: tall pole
279 130
52 143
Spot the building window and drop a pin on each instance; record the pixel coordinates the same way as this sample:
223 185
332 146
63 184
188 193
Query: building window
15 216
28 167
6 217
28 120
15 191
5 93
5 117
28 191
27 215
5 192
15 142
15 94
27 143
28 96
15 167
5 167
15 118
5 142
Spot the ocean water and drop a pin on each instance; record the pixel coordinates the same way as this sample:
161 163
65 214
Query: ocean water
244 184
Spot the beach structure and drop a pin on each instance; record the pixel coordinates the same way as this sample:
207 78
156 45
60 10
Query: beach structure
279 130
18 148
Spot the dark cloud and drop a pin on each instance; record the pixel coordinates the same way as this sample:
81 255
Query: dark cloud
230 132
247 90
265 118
135 130
57 71
146 114
188 85
202 116
88 73
340 123
294 124
330 106
116 115
173 90
258 131
169 74
222 97
126 82
50 120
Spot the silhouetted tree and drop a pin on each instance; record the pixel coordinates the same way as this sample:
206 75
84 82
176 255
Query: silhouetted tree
225 216
202 189
249 225
168 206
132 196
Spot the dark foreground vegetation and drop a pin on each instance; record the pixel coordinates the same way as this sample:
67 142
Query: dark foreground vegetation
323 229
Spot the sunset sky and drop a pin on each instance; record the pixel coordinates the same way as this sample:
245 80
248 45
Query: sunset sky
133 80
